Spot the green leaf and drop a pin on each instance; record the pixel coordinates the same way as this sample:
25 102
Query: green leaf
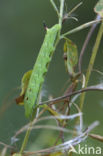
16 154
70 56
99 8
25 80
24 85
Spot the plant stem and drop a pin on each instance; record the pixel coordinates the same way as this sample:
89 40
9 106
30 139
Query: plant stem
60 21
26 138
86 43
83 26
55 7
62 98
77 6
91 63
28 132
61 11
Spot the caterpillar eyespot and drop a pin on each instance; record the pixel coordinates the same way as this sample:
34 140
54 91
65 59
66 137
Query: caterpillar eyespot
39 70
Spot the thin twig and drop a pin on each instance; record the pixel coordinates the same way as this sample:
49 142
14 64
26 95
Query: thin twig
67 145
55 7
83 26
62 117
91 63
61 98
99 72
61 11
51 127
77 6
3 153
86 42
28 132
5 145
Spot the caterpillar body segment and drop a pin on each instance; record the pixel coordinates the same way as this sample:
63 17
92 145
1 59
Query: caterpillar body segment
40 69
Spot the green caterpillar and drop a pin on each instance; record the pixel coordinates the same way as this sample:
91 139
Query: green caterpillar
40 69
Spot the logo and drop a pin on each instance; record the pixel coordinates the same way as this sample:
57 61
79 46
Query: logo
72 149
86 150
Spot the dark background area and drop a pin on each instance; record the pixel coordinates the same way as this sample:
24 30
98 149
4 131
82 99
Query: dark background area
21 35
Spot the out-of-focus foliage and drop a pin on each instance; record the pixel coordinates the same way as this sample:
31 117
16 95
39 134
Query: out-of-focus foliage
24 85
70 56
99 8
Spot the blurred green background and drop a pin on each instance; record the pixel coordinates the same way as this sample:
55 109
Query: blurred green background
21 35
